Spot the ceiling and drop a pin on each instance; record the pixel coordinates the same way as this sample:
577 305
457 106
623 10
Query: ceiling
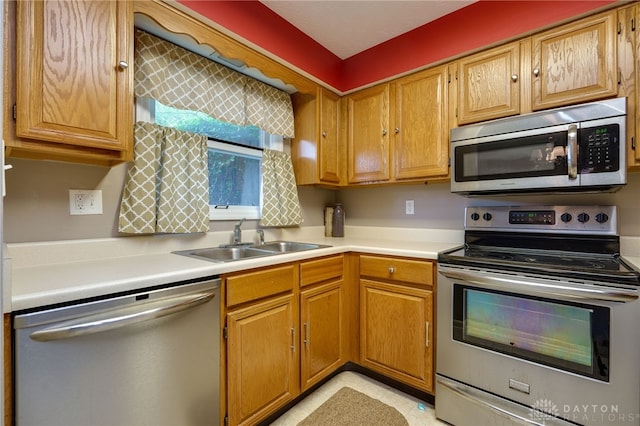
347 27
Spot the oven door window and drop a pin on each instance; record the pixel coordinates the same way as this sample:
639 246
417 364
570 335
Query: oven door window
568 336
527 156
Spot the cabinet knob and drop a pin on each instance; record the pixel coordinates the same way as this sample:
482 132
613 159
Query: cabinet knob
514 77
397 130
391 269
536 71
123 65
384 132
324 134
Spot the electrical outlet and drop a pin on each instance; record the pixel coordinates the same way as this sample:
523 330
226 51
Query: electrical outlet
409 207
85 201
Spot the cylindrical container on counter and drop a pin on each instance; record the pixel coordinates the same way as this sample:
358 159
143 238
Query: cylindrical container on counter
338 221
328 221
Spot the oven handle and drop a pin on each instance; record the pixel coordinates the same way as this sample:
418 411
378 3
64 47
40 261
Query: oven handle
479 401
544 288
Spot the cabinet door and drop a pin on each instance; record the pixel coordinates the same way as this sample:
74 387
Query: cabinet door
321 329
628 45
575 62
330 158
71 87
368 135
489 85
262 371
396 332
316 152
421 132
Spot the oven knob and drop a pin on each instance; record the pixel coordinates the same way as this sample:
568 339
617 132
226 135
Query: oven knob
583 217
487 216
602 217
475 216
566 217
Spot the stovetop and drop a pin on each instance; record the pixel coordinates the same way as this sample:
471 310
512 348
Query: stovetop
561 241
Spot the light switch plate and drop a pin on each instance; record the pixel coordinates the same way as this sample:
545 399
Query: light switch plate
409 207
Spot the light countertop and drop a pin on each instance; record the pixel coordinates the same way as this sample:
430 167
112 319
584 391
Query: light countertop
48 273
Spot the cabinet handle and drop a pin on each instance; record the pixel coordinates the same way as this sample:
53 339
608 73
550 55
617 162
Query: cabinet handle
123 65
536 71
391 269
293 339
306 334
427 332
324 134
397 130
514 77
384 132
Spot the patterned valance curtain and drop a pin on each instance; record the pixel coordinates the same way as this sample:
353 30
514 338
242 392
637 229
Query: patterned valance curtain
281 206
166 189
182 79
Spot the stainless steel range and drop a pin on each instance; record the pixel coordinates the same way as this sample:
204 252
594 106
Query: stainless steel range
538 320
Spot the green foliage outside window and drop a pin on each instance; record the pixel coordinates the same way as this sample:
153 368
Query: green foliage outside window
234 179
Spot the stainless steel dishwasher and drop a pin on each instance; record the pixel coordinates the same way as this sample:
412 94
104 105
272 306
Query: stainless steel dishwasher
148 358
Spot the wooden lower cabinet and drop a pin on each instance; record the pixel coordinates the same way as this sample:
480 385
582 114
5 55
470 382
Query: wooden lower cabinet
396 319
321 319
262 359
285 333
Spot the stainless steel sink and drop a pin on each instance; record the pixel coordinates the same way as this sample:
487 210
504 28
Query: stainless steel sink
225 254
244 251
287 246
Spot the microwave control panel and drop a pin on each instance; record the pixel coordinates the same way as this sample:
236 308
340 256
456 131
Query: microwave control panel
599 149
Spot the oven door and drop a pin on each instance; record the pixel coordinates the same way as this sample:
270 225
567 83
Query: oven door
549 348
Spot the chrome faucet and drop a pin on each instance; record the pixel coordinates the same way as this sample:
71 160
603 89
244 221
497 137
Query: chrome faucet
237 233
260 235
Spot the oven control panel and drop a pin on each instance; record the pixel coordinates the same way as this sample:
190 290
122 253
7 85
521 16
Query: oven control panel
568 219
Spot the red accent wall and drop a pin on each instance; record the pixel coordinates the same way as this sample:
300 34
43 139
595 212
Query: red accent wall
477 25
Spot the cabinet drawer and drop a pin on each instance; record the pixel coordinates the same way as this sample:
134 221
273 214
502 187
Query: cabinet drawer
390 268
316 271
256 285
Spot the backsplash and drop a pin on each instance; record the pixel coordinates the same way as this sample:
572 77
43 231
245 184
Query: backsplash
36 207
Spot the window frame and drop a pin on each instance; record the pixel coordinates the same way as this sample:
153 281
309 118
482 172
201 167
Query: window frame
236 212
145 111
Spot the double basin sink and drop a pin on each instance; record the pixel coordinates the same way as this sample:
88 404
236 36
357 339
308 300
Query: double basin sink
230 253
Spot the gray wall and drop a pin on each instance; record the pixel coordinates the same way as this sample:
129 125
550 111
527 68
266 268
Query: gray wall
37 202
36 207
436 207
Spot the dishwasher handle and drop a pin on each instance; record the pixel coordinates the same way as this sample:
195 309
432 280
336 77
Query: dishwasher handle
122 317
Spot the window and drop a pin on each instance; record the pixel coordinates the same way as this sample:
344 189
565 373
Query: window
235 153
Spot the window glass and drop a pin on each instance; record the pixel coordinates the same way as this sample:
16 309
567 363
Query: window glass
234 160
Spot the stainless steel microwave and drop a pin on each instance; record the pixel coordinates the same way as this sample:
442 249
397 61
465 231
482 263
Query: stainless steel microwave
576 148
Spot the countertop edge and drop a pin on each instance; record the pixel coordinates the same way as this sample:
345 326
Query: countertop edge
50 284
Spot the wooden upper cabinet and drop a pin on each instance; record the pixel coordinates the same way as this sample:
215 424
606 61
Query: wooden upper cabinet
421 128
317 152
368 135
330 170
628 45
489 84
74 65
575 62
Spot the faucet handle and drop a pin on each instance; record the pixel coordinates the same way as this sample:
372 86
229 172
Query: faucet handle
239 224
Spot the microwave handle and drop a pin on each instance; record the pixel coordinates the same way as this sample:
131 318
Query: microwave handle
572 151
